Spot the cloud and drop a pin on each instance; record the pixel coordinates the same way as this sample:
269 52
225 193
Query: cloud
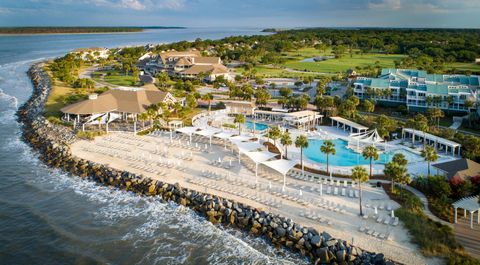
140 4
385 5
132 4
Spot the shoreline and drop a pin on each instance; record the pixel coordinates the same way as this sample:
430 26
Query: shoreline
142 30
53 144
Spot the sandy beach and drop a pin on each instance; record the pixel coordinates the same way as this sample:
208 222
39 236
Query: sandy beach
176 162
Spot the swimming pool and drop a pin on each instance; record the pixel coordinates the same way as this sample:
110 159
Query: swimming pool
258 126
346 157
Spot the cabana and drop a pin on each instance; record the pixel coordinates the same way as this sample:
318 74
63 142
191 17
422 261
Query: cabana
188 130
244 147
347 125
258 157
358 141
208 132
224 136
438 142
303 119
282 166
468 204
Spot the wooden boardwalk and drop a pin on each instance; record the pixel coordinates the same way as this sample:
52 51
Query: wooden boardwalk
468 237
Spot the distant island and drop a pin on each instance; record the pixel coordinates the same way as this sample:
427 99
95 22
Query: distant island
75 30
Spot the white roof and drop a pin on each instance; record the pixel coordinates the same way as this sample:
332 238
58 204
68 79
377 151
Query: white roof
303 113
244 147
187 130
208 132
433 137
468 203
349 123
240 138
224 135
260 156
281 165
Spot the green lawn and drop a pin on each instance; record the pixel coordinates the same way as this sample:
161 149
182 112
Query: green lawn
114 78
465 66
342 64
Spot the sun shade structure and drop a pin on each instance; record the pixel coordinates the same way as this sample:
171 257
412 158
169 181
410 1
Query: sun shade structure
224 136
347 125
358 141
258 157
240 138
189 130
208 132
468 204
244 147
282 166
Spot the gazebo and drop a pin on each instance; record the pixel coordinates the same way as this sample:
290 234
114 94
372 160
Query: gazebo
468 204
282 166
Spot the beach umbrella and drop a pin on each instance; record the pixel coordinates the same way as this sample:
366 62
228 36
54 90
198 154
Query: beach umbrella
196 145
270 185
321 189
206 146
219 160
230 162
393 214
300 192
376 212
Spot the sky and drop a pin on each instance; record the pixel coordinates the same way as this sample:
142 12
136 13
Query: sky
242 13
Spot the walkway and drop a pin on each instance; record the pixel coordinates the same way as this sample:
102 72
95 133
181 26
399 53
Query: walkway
426 210
468 237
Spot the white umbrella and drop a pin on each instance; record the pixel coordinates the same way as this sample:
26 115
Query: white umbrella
230 162
300 193
270 185
321 189
393 214
376 212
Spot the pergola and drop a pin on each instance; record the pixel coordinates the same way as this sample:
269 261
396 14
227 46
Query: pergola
348 125
468 204
258 157
189 130
282 166
303 118
432 140
208 132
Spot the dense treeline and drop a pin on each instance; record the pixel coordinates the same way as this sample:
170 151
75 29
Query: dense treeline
52 30
428 49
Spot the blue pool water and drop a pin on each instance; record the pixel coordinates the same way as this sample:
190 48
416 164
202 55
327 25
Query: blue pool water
258 126
346 157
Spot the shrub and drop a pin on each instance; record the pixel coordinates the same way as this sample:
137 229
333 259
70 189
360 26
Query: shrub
89 135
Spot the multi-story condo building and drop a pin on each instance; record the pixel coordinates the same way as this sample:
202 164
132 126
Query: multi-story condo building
420 90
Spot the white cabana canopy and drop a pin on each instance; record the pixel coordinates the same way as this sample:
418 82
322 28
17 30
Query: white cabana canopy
189 130
240 138
371 136
224 135
244 147
470 204
259 157
208 132
282 166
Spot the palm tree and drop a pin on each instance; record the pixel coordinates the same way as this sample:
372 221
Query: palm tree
370 152
328 148
208 97
301 142
430 155
143 117
396 173
274 133
239 119
286 141
360 175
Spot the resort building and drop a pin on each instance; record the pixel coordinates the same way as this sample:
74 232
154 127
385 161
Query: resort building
121 104
91 53
246 108
188 64
420 90
462 169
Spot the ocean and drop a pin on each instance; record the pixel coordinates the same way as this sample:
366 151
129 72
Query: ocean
49 217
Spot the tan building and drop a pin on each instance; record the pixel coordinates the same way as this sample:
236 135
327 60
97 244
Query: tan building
246 108
122 104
